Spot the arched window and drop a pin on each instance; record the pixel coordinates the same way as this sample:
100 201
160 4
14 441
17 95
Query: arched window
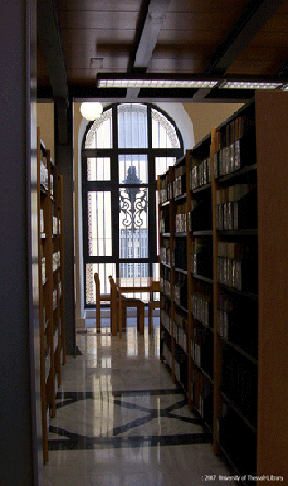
123 151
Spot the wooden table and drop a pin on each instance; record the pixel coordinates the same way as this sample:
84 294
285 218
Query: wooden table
128 285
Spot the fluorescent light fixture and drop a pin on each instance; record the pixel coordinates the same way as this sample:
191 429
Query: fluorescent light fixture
154 81
185 80
251 85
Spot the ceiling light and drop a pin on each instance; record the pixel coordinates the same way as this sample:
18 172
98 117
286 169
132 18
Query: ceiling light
91 110
154 81
251 84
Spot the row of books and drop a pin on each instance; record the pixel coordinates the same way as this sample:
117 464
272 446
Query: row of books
164 224
179 186
231 250
56 260
165 254
239 154
232 193
165 287
201 308
56 226
240 383
166 321
200 174
179 333
229 272
241 214
168 355
235 130
181 219
180 293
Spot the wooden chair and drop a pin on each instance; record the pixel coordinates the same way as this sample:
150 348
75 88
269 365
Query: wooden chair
99 298
126 302
153 304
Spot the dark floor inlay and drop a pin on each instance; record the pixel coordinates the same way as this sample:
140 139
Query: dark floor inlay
77 442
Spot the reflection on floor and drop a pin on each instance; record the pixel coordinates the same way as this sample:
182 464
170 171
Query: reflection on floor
122 422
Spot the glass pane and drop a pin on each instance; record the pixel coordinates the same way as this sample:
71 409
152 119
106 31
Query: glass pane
100 134
103 270
98 169
99 223
132 126
162 164
163 132
133 169
133 223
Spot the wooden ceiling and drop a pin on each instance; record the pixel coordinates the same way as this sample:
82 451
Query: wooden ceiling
243 37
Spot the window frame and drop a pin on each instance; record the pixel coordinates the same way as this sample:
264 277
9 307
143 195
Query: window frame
113 186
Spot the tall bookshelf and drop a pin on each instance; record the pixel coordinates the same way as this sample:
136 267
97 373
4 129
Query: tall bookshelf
235 233
51 292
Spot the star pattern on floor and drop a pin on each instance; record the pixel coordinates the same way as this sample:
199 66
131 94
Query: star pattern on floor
72 440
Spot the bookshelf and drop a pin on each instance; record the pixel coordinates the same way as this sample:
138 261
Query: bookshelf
51 292
233 188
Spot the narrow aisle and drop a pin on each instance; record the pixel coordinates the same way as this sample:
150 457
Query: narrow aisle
121 421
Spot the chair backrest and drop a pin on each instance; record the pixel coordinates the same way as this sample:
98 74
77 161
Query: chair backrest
112 285
97 285
97 281
155 286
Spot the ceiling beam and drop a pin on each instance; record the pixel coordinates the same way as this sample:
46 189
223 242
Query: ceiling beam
48 33
151 18
252 19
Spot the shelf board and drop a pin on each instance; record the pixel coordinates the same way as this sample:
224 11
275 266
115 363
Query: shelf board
181 307
181 270
237 173
165 235
200 277
203 233
183 234
180 161
239 350
204 373
205 187
240 232
249 295
165 265
238 411
180 198
203 324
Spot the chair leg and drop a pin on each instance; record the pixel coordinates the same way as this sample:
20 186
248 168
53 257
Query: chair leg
150 326
141 318
98 316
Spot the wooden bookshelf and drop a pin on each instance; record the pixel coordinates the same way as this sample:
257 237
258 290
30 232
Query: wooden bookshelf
51 292
235 317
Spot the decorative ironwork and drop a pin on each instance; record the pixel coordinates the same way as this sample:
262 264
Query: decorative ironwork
132 201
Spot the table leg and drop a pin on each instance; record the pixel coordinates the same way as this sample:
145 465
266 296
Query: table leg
114 314
120 315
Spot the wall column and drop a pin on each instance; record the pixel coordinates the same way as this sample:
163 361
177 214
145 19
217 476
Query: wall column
19 313
63 125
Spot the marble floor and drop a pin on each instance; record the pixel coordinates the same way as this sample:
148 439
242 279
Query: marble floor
120 421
